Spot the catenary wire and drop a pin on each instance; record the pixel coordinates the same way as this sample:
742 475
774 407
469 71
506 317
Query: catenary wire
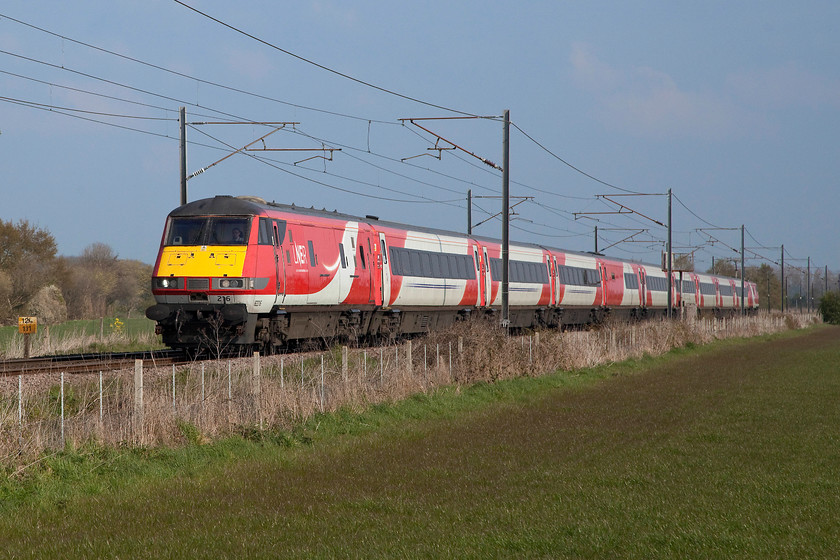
321 66
187 76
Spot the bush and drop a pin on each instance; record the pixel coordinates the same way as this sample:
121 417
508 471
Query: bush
830 308
48 305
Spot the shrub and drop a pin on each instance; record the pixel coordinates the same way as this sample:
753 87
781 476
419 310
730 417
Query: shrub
830 308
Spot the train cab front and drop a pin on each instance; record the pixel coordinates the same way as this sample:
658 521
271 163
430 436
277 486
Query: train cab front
203 283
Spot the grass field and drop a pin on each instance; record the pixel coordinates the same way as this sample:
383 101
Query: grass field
723 451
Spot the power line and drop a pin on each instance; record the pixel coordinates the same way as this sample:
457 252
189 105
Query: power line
87 92
45 106
111 82
321 66
91 76
146 92
299 131
60 112
693 213
272 163
189 77
37 105
157 67
555 156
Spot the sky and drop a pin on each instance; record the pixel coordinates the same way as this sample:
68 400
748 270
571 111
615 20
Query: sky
734 106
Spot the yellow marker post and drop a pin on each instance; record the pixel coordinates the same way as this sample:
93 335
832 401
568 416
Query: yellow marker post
27 326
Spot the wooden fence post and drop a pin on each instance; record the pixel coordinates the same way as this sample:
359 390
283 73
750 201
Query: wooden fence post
257 389
138 401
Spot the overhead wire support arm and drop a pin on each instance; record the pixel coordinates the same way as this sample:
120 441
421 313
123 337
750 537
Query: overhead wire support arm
497 214
451 143
278 125
629 239
242 149
621 207
437 147
321 149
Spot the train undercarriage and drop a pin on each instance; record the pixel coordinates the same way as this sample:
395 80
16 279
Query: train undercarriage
218 330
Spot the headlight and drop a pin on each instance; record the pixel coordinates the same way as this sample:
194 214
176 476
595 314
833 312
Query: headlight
233 283
167 283
239 283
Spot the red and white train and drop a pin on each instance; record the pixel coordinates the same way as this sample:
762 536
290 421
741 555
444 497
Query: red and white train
237 271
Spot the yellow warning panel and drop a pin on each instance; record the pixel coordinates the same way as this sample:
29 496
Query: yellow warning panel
27 325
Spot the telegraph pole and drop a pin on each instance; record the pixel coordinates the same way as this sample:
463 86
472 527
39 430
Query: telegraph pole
596 240
182 119
505 218
743 270
783 279
670 261
469 212
808 293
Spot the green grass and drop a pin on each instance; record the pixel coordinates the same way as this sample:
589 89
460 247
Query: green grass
729 450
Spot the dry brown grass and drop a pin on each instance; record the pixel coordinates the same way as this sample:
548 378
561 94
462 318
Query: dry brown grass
216 399
74 341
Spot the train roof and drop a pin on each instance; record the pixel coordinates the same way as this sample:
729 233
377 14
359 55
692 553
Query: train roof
252 205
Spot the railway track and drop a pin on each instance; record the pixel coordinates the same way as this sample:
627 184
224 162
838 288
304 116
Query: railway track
88 363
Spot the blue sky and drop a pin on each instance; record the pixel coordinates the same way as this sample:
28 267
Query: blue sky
735 106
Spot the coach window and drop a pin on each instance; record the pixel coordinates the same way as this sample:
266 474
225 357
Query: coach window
341 255
312 260
426 265
415 268
463 267
229 231
362 255
281 231
441 266
185 231
265 234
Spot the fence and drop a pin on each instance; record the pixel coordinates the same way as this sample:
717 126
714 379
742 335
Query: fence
205 400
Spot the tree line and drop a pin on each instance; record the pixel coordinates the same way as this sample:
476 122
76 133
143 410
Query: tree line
35 281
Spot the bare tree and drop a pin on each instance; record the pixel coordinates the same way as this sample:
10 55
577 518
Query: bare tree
27 253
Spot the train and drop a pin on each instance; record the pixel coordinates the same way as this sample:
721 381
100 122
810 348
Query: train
237 272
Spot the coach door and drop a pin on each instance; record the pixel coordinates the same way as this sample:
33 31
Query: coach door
602 268
370 263
551 280
386 271
488 282
643 286
279 231
479 277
